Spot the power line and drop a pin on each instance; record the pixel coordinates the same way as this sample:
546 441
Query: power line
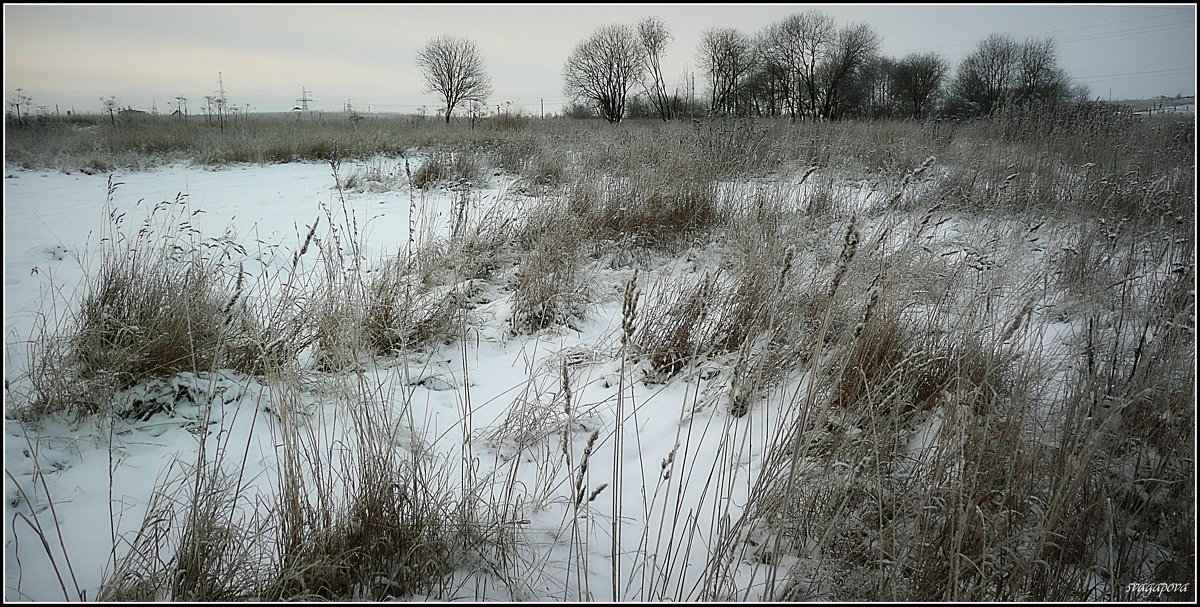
1123 78
1155 29
1152 30
1182 69
1057 31
1069 29
1155 64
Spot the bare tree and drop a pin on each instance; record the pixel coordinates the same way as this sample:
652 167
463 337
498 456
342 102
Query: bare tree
475 110
728 56
770 83
1002 71
794 49
985 77
110 105
654 35
454 69
181 106
916 81
603 68
842 73
1038 77
881 99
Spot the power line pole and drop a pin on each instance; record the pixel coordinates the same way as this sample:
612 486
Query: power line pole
304 99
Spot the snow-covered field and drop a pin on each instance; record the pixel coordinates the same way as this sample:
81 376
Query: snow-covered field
87 485
620 489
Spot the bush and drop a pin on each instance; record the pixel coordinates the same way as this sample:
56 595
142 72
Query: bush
439 167
157 306
651 206
548 288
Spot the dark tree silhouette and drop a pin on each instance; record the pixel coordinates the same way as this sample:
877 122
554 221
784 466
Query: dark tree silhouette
454 69
794 49
1038 77
728 57
110 106
654 35
842 75
985 76
916 81
603 68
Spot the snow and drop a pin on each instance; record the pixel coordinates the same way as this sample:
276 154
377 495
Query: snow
89 484
686 465
54 222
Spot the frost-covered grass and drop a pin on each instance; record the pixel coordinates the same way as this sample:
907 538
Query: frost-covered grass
717 361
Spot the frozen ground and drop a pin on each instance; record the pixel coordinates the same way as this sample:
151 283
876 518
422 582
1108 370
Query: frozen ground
658 493
498 395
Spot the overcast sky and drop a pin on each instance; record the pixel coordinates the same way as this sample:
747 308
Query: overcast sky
72 55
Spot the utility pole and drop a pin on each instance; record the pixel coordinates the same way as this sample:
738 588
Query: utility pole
303 100
543 104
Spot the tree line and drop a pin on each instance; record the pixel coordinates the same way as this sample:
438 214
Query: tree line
804 67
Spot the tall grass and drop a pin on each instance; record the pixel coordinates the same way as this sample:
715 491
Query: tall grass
936 452
976 343
161 300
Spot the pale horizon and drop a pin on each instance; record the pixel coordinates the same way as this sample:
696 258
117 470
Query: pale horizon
145 55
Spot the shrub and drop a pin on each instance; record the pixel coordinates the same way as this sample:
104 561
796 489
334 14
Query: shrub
651 206
159 304
460 167
548 288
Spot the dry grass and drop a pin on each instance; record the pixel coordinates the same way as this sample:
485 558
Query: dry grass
649 207
894 363
421 299
937 443
161 302
379 520
455 169
382 530
400 317
549 287
932 466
